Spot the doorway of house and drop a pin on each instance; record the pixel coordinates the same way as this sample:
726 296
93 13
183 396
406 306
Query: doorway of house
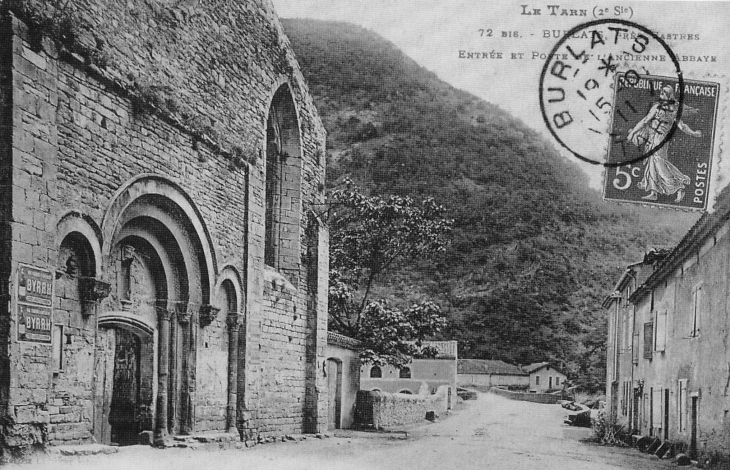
693 430
635 410
666 414
125 402
334 386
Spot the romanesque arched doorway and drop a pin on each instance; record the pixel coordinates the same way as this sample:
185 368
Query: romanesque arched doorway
159 261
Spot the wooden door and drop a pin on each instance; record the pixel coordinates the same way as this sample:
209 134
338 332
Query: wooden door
334 385
124 409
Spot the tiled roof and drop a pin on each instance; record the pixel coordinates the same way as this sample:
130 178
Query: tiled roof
487 366
705 227
535 366
336 339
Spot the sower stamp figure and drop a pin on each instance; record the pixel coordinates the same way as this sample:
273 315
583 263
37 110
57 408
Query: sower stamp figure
660 175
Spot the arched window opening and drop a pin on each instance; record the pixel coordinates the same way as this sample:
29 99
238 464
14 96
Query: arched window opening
283 178
376 372
405 373
273 183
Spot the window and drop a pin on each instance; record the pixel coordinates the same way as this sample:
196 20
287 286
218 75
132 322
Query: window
537 380
376 372
682 405
557 381
660 331
696 309
283 178
550 382
273 177
405 373
648 339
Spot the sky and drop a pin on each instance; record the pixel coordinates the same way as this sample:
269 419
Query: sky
440 34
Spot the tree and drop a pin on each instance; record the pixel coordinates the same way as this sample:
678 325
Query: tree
368 234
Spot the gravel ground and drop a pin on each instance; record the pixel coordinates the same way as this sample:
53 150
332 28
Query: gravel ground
491 432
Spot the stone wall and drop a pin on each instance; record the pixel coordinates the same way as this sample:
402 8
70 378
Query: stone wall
547 398
385 410
492 380
84 153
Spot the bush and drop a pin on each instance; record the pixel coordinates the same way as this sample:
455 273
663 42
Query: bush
608 433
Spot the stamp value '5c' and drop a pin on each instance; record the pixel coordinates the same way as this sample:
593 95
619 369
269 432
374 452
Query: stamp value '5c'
676 170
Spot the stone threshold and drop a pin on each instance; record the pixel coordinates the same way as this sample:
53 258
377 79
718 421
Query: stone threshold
83 449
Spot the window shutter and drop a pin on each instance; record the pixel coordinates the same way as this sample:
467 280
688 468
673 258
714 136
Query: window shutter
657 407
682 405
648 340
661 331
695 317
698 311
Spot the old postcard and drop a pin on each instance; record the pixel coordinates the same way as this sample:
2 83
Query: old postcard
360 234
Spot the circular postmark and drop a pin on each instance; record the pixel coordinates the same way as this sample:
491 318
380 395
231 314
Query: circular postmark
582 85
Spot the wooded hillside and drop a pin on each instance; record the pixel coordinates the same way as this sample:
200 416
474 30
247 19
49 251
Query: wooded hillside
534 249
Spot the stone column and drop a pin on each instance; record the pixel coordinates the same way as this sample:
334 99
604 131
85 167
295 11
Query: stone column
183 319
234 324
163 376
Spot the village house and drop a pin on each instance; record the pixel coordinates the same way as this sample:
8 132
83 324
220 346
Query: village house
420 376
163 270
668 354
544 377
492 373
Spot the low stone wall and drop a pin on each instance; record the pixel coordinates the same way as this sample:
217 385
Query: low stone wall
383 410
547 398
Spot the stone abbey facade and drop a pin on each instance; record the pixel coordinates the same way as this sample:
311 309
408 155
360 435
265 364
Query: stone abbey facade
163 270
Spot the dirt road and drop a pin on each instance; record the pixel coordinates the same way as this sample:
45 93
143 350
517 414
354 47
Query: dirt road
491 432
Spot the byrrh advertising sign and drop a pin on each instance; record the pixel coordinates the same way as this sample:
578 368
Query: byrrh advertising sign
35 304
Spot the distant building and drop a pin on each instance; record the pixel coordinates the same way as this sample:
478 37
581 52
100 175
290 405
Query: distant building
668 349
544 377
419 376
491 373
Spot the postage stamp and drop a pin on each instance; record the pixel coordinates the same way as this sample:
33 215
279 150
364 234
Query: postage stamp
654 166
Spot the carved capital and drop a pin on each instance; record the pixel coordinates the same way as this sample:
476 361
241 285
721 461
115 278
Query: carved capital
164 314
93 289
207 314
184 316
234 321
